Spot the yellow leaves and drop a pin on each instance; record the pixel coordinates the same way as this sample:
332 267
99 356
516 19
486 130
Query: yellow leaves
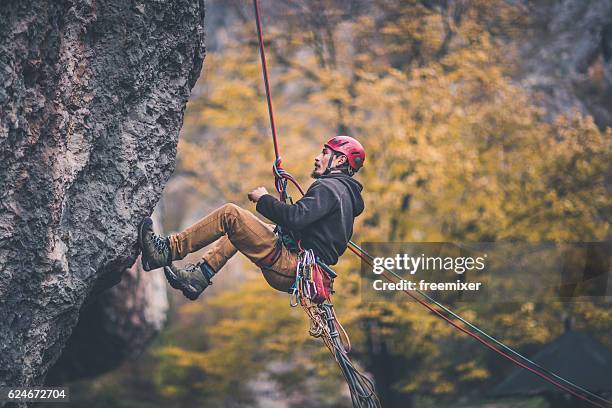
523 326
470 371
432 381
170 391
182 358
443 387
527 307
240 104
456 151
245 328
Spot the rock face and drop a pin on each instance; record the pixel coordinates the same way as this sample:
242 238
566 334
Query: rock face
115 325
568 59
92 95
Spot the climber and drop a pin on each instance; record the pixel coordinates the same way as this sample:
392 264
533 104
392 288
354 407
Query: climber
322 220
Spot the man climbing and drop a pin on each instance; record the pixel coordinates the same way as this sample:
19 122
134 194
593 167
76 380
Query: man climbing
322 220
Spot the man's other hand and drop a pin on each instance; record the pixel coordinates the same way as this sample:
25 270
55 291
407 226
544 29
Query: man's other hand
256 194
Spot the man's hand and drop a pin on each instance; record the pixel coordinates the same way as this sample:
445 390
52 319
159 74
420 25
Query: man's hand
256 194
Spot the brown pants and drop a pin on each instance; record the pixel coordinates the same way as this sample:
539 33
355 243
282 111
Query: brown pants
236 229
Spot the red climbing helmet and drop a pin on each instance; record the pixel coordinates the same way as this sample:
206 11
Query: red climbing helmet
351 148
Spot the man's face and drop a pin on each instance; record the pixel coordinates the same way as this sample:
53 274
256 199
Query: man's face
322 160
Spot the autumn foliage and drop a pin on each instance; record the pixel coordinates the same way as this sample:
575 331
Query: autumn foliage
457 151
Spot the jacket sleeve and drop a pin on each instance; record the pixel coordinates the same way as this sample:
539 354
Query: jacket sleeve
318 201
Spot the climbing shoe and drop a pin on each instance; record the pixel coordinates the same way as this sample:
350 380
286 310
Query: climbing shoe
191 280
155 248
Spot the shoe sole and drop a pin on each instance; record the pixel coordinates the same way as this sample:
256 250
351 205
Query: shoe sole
145 264
188 291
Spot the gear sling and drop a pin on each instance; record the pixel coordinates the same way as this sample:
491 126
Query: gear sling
312 288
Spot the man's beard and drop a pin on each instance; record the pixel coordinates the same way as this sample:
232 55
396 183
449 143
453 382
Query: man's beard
314 173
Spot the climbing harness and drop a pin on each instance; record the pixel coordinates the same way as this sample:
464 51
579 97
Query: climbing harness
312 288
269 260
325 325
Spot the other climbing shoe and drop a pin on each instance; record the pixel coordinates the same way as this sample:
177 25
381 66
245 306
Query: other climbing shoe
191 279
155 248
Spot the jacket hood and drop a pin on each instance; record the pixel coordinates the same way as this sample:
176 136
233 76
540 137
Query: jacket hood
354 187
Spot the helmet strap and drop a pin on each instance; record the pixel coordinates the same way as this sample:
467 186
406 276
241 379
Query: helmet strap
329 168
329 163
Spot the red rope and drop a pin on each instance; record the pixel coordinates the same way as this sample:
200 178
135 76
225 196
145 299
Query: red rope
481 340
283 174
262 54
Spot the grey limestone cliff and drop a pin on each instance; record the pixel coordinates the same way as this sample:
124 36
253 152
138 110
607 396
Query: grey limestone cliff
92 95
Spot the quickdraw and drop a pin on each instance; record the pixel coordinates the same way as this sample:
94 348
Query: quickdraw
312 290
311 281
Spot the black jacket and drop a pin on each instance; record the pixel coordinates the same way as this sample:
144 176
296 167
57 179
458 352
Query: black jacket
323 218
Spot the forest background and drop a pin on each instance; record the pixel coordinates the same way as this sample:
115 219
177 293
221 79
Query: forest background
458 150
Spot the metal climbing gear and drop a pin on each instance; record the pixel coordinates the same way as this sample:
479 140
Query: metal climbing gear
311 280
314 295
312 291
